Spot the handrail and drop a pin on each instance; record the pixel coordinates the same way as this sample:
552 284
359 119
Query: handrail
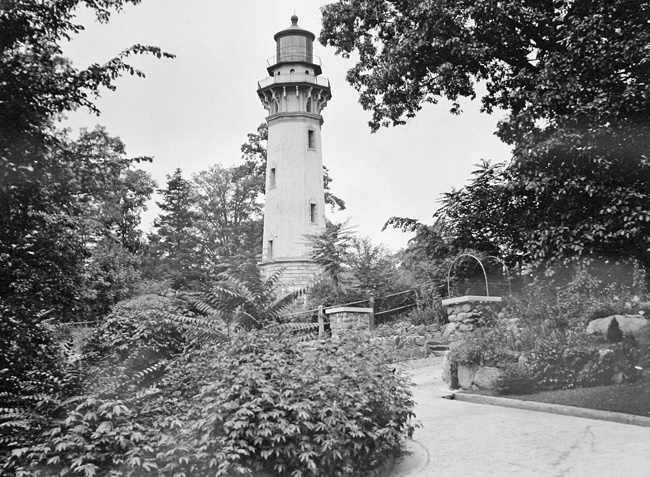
395 309
294 55
293 78
410 290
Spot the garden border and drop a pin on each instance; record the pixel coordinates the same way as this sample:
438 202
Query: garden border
611 416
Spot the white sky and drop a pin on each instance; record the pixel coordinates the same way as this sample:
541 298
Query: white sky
196 110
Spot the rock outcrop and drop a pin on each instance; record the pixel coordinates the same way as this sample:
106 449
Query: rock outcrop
629 324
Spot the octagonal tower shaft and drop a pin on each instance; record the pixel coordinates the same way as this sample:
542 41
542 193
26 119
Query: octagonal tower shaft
294 95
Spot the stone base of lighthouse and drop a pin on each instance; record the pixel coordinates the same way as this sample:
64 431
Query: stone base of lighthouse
297 273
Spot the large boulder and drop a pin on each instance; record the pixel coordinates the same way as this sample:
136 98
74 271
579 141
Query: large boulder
449 329
486 377
466 375
629 324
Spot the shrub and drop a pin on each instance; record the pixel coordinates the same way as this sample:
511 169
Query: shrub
33 377
643 341
131 345
614 333
236 408
555 364
486 346
329 409
426 315
515 379
606 363
95 437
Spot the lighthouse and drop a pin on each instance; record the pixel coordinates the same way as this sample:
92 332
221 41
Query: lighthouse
294 95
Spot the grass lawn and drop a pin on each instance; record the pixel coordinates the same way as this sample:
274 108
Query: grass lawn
632 398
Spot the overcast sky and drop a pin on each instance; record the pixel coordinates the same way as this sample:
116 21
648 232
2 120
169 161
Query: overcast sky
196 110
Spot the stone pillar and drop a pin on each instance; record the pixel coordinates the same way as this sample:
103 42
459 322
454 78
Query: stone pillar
465 313
346 319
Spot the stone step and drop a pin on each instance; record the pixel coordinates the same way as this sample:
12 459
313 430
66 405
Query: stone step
438 349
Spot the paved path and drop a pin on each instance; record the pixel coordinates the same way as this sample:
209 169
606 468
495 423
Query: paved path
465 439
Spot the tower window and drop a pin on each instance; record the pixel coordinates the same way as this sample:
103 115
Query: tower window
313 213
269 250
311 142
272 178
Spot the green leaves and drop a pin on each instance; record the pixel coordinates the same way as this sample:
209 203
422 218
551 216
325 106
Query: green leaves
573 77
242 295
317 410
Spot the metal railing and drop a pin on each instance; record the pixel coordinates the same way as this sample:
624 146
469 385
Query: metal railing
371 304
294 55
293 78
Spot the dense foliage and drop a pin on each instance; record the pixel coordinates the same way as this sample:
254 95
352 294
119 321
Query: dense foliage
243 297
572 77
581 61
216 406
539 341
353 268
323 409
45 188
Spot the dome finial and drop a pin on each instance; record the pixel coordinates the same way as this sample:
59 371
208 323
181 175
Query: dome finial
294 19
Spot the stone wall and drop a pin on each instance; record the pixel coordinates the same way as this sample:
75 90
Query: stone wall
409 341
296 273
468 377
466 313
349 319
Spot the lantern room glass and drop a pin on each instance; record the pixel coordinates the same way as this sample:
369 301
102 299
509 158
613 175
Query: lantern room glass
295 48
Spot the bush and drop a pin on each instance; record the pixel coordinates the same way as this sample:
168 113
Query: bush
556 365
131 345
33 377
581 363
427 315
614 333
253 404
328 409
485 346
95 437
515 379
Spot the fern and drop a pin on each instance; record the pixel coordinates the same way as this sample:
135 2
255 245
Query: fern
242 296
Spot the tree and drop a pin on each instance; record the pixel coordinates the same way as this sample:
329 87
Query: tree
111 274
175 243
330 249
374 267
229 213
488 214
436 250
41 252
572 76
254 155
107 192
579 60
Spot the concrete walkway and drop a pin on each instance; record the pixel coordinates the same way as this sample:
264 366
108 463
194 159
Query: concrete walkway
467 439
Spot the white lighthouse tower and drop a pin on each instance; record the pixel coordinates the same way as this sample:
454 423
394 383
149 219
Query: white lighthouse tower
294 94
